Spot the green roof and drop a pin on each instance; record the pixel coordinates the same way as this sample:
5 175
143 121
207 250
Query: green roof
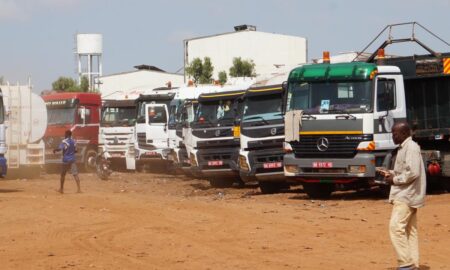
332 72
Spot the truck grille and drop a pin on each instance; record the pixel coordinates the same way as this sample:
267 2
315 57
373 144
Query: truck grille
264 144
142 142
217 144
262 158
339 146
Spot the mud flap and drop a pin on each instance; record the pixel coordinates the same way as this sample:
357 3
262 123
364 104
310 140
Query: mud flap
130 163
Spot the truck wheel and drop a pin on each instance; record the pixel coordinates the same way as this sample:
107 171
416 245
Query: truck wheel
90 160
271 187
220 182
318 190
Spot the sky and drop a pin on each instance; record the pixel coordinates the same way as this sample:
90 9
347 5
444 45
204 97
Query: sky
37 36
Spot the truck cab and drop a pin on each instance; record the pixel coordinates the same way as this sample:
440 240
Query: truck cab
80 113
152 126
261 138
182 109
116 136
212 148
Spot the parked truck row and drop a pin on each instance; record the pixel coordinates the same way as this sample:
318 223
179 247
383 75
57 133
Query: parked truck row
326 126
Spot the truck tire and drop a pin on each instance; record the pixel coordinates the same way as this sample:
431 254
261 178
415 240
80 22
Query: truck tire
318 190
90 160
271 187
220 182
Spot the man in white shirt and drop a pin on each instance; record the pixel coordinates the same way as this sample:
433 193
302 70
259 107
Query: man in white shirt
408 188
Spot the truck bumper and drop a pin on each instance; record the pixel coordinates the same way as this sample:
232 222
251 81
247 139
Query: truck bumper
338 170
256 162
144 156
227 156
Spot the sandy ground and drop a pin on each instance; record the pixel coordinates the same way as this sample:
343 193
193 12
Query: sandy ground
154 221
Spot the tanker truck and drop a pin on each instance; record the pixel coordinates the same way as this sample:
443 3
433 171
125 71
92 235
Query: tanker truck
26 121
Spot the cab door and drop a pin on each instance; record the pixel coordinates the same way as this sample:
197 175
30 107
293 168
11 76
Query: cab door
157 124
389 108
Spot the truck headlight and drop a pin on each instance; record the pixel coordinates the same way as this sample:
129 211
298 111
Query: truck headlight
291 169
366 146
357 168
287 148
193 160
243 163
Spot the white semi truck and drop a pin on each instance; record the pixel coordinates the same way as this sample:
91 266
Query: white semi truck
116 136
209 139
26 121
262 135
152 142
339 118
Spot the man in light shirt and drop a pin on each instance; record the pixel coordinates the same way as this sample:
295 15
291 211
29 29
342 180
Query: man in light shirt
408 187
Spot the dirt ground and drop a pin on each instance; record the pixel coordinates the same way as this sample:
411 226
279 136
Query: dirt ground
156 221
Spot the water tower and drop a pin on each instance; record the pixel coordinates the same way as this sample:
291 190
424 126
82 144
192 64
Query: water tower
89 50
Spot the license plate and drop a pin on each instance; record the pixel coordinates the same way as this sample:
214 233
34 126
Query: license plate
151 153
116 155
215 163
322 164
272 165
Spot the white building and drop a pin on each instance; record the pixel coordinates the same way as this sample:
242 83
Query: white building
143 78
271 53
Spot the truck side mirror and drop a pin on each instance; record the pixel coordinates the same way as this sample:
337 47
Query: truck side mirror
82 114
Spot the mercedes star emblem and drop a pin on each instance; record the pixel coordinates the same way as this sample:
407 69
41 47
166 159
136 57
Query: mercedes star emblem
322 144
273 131
217 133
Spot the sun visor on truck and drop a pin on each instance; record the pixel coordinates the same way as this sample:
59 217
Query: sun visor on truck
220 96
118 103
264 90
156 97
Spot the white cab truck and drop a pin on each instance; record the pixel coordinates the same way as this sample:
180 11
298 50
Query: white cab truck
339 119
182 110
210 142
152 126
262 136
25 119
116 136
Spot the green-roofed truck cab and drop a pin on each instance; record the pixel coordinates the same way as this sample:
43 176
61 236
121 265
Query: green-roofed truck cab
339 118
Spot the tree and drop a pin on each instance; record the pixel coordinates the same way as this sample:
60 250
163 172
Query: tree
207 71
84 84
223 77
200 71
242 68
68 84
2 80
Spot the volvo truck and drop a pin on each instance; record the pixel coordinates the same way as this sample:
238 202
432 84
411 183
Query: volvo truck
339 118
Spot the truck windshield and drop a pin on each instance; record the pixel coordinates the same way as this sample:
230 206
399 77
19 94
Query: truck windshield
156 114
330 97
267 107
215 112
118 116
60 116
